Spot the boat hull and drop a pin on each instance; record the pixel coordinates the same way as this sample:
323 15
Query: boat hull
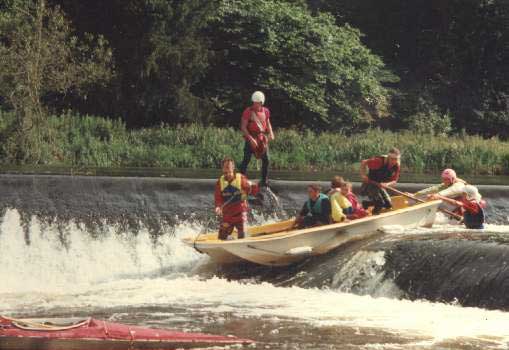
290 246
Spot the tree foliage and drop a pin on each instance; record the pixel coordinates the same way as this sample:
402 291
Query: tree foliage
314 72
324 65
453 51
160 56
41 56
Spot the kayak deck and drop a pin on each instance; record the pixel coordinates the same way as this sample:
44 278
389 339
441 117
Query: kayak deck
88 334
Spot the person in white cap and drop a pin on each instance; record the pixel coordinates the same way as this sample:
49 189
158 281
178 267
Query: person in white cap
471 207
257 130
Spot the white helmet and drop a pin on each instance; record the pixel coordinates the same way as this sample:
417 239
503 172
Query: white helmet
258 96
471 192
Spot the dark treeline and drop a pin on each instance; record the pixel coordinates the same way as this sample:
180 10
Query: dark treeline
427 65
453 54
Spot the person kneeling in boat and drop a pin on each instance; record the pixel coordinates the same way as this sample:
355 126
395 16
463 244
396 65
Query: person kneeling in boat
317 209
473 213
231 193
383 172
340 205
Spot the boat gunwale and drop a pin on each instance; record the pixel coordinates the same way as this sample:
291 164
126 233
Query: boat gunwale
289 234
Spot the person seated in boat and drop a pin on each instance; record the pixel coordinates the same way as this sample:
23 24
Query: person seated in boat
230 196
471 208
340 205
451 187
376 174
317 209
357 211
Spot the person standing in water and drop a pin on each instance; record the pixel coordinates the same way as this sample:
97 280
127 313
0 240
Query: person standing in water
230 197
471 208
257 130
451 187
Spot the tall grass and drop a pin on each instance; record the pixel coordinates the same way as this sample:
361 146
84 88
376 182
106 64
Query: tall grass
98 142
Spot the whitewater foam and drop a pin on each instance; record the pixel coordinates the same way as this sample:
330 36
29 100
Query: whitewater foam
49 263
319 307
117 271
364 274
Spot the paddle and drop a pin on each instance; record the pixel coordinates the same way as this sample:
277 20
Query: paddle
448 212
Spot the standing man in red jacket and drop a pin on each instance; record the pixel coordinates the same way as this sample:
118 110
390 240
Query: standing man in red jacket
230 197
377 173
257 129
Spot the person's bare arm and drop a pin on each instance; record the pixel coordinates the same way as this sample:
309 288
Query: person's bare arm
269 128
218 200
446 199
364 170
247 135
243 127
389 184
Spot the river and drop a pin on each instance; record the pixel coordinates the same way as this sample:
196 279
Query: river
109 247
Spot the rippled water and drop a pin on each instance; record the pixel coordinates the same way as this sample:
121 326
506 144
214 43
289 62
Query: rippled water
350 299
142 281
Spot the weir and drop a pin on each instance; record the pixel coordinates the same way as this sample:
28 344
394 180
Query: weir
112 228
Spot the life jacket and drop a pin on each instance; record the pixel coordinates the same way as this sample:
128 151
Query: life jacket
474 221
384 173
256 126
232 192
316 207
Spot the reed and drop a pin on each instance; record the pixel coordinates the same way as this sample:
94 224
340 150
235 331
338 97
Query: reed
99 142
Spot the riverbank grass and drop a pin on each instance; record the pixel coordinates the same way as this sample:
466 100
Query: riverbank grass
85 141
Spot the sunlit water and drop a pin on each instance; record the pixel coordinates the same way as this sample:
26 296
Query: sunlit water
147 281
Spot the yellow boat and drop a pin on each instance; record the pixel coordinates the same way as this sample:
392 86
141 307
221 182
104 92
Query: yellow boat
280 244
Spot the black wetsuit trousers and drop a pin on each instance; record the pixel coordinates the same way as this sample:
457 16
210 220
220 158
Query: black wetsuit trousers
378 197
248 152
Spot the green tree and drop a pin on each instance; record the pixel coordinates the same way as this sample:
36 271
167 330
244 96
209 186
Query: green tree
40 56
160 55
314 72
453 51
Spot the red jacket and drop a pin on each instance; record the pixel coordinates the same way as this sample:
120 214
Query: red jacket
257 122
358 210
376 164
470 206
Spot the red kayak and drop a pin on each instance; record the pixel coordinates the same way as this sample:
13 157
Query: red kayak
92 334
